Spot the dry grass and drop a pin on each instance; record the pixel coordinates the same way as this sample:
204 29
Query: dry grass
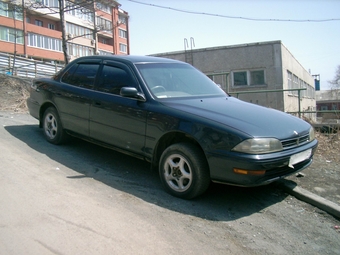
329 146
13 92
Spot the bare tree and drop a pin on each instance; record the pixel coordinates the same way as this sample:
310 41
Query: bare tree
64 6
15 11
335 83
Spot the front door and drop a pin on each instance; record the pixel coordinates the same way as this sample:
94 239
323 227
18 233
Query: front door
117 120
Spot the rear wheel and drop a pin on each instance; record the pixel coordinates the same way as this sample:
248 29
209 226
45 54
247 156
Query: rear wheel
184 171
53 129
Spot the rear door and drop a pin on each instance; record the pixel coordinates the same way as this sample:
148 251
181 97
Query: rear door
74 95
114 119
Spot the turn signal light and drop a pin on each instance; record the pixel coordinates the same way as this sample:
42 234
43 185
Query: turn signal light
248 172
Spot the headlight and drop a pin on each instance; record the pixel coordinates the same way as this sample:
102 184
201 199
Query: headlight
311 134
259 146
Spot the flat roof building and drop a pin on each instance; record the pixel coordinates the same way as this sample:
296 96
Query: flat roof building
244 69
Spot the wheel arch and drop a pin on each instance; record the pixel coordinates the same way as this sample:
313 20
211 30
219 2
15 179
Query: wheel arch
171 138
42 111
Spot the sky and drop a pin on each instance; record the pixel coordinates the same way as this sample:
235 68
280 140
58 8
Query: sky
310 29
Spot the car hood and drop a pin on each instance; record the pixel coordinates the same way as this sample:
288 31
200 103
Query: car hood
254 120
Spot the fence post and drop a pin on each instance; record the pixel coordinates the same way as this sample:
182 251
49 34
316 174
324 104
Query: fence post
299 94
9 64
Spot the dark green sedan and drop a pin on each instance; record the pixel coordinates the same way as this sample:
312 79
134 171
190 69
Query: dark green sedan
172 115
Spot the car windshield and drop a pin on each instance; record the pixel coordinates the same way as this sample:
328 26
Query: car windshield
168 80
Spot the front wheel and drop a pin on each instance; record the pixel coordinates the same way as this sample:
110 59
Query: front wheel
53 130
184 171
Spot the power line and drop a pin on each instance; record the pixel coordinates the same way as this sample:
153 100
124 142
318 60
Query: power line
234 17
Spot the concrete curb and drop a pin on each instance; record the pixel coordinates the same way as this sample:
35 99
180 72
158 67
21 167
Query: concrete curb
311 198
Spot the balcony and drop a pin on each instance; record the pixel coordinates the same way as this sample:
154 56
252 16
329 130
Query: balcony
43 31
106 47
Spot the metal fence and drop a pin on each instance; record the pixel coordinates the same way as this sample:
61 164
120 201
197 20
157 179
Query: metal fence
25 67
334 113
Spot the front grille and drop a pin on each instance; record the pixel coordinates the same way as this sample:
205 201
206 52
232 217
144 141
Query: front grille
294 142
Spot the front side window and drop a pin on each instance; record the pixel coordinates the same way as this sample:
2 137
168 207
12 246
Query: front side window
112 79
81 75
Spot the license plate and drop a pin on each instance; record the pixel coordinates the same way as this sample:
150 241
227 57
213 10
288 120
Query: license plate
299 157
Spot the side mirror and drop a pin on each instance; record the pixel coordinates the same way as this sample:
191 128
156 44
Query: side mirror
132 92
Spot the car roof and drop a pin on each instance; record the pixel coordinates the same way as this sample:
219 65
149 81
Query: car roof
131 58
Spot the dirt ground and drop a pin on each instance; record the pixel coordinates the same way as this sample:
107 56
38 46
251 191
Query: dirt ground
321 178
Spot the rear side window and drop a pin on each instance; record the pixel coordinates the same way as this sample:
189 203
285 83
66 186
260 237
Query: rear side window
81 75
112 79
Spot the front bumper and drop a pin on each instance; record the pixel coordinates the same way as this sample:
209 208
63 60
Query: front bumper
276 166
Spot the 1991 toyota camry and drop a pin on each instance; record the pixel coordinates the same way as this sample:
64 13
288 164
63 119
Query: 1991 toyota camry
172 115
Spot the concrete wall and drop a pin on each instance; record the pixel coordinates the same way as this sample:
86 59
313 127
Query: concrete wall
308 103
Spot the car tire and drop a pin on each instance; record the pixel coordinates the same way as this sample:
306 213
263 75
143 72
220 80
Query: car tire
53 129
184 171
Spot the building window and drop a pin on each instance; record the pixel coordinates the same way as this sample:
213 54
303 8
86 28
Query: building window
11 35
249 78
295 85
101 52
294 82
123 48
240 78
122 19
79 50
104 7
104 25
122 33
79 31
44 42
51 26
257 77
290 81
38 23
50 3
10 10
79 12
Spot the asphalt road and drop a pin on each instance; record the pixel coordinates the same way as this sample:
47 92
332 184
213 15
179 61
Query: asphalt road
83 199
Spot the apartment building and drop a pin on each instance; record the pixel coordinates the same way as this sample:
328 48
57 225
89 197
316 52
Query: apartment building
35 31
